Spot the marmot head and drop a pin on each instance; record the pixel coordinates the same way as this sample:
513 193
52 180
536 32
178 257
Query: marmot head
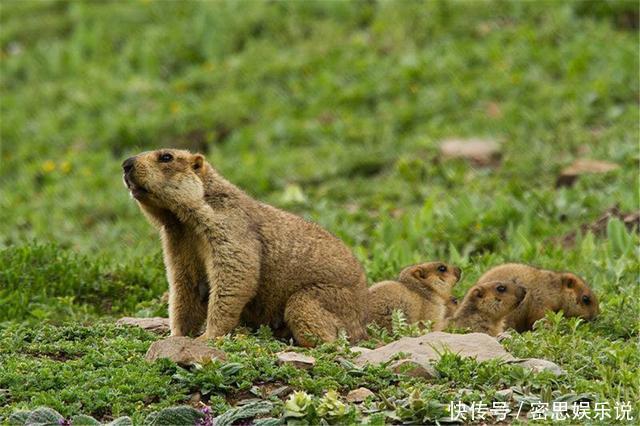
496 299
438 276
580 300
164 177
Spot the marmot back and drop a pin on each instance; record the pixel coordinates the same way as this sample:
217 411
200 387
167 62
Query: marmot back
546 291
421 292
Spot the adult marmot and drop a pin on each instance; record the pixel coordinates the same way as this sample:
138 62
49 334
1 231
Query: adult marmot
230 258
486 305
421 292
546 291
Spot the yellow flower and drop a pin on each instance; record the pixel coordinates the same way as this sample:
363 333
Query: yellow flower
65 167
175 108
48 166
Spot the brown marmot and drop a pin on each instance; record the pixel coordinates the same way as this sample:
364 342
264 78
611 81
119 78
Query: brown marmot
232 259
546 291
486 305
421 292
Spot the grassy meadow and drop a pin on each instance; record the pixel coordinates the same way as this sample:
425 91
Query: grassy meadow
334 111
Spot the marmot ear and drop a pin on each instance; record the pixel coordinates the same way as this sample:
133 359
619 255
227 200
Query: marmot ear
419 273
478 292
569 280
197 161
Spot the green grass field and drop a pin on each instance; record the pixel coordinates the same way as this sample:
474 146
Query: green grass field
332 110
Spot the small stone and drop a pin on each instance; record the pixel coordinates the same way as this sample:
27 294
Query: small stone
539 365
296 359
358 395
504 394
155 324
184 351
195 399
583 166
480 152
281 391
414 368
505 335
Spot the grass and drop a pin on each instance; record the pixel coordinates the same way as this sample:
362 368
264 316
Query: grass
333 111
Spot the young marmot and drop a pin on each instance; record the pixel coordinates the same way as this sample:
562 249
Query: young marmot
232 259
546 291
486 305
421 292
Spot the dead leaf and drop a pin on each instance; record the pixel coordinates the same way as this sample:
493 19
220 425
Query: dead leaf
583 166
480 152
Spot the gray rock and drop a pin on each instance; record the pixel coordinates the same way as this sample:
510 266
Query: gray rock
505 394
297 360
424 349
413 368
183 351
539 365
281 392
420 353
155 324
358 395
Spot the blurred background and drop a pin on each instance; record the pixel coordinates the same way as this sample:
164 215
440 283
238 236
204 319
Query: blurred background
333 110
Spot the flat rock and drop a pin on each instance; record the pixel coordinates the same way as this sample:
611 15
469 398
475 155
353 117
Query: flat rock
424 349
583 166
297 360
155 324
480 152
358 395
419 353
183 351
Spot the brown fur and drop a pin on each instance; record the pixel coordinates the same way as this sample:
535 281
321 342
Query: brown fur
230 258
452 306
421 292
484 307
546 291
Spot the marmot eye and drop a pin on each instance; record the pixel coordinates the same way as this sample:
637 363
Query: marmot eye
501 289
442 268
586 300
165 158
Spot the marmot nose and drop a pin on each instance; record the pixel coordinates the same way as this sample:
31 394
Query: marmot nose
127 164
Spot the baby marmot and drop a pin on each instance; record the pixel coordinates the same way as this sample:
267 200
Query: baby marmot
546 291
486 305
421 292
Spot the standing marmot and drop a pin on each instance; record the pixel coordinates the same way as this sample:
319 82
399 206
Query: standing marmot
486 305
546 291
230 258
421 292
